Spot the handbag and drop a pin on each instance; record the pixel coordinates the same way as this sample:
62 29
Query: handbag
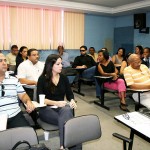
40 146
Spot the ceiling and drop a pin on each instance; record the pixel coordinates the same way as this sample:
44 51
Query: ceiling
105 3
101 7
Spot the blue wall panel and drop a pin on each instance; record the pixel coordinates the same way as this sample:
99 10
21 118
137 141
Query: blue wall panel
97 30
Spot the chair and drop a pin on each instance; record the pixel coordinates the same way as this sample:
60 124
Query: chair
81 129
125 141
10 137
100 86
46 126
139 104
80 81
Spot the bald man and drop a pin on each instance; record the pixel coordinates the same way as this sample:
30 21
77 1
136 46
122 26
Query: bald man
137 76
10 90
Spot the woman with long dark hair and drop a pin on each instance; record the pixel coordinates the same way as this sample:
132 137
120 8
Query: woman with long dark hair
118 58
139 50
55 86
22 56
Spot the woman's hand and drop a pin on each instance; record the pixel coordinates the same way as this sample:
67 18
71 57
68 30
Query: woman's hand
115 76
72 104
61 103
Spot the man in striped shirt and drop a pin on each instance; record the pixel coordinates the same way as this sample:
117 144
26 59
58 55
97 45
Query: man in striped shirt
137 76
10 91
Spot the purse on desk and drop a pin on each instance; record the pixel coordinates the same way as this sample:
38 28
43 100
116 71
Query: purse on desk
40 146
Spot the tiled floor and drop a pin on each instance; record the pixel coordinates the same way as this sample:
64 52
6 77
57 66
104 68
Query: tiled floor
108 124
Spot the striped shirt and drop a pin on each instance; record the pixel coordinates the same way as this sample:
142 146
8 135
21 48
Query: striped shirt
10 87
137 76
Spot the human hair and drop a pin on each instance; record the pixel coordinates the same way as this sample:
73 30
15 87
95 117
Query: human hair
123 55
30 51
140 48
83 46
92 48
14 46
105 54
47 71
146 48
60 47
127 56
20 50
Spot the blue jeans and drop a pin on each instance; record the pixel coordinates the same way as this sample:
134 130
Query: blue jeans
89 73
98 88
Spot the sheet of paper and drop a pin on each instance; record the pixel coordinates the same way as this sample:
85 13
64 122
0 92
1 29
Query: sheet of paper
137 121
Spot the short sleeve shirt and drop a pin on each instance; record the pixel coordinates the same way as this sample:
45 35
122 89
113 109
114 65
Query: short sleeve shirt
29 70
134 76
9 90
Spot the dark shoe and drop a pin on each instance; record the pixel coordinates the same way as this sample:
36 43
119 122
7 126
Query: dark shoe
124 104
123 107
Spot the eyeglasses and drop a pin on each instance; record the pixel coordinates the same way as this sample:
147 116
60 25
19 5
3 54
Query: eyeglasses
126 116
82 50
2 90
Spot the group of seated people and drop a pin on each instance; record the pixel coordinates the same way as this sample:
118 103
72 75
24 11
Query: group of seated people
49 81
115 67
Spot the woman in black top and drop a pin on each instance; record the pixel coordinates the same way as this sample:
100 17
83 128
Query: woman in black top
107 68
55 86
124 63
22 56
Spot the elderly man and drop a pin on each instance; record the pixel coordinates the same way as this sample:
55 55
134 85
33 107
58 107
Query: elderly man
11 58
137 76
10 90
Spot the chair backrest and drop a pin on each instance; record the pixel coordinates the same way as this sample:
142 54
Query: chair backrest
81 129
10 137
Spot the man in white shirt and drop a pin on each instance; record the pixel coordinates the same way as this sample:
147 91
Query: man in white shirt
28 73
10 90
11 58
30 70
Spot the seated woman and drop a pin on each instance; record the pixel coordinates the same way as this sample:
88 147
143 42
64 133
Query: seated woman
139 51
107 68
55 86
22 56
124 63
118 58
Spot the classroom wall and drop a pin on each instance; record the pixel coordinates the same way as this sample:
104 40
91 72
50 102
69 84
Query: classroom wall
139 38
99 32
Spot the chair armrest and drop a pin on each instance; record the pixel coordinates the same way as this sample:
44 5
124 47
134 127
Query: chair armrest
121 137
